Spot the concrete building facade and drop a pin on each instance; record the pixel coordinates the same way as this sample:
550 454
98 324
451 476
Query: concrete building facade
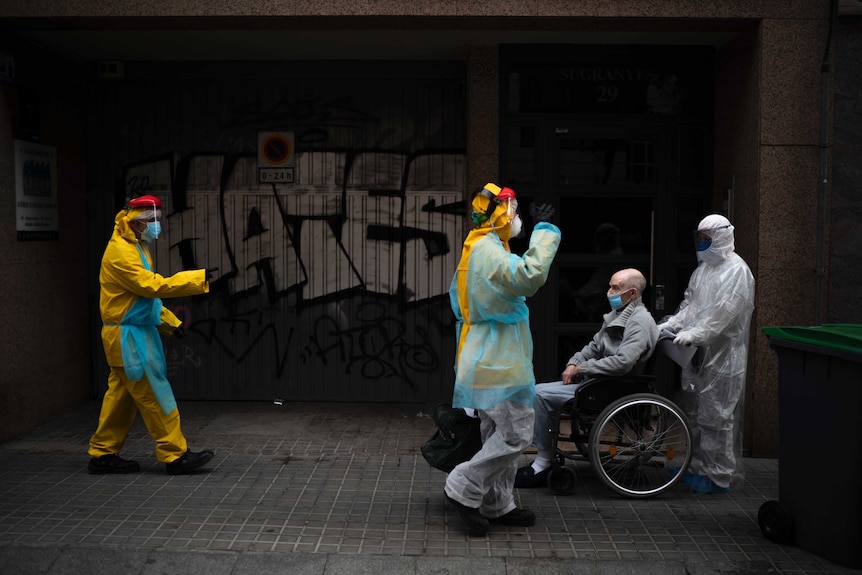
319 155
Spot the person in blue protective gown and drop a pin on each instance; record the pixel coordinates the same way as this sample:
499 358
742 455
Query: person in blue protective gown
494 361
714 316
133 318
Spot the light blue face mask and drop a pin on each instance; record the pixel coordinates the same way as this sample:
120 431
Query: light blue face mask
703 246
152 232
616 300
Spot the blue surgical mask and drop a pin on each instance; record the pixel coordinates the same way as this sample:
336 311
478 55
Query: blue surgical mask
152 232
703 246
616 300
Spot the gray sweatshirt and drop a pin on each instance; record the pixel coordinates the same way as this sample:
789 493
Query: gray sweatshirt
623 345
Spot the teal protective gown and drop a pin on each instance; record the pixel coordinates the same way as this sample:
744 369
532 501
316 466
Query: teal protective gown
495 354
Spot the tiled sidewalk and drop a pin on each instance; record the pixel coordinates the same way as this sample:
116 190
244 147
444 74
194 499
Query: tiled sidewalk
348 480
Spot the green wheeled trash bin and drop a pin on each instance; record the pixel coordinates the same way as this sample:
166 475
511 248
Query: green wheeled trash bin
819 505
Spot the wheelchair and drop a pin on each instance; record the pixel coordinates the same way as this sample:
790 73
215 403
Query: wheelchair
636 441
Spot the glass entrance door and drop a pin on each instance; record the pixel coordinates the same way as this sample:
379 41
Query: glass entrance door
605 184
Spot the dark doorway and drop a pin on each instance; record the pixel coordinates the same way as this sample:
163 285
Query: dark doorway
619 140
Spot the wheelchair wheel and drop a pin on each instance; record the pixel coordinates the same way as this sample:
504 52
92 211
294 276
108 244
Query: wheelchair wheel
640 445
562 480
776 521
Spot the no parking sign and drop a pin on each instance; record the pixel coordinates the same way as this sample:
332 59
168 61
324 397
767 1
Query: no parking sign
275 158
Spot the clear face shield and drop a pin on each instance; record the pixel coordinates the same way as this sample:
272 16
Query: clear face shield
154 226
497 198
145 210
512 209
513 215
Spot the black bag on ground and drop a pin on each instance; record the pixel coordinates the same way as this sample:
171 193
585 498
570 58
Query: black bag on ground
456 440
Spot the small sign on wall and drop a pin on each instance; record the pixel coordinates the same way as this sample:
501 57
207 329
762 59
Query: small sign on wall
275 158
36 191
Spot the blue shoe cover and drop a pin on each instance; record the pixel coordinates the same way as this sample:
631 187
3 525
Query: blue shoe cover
703 484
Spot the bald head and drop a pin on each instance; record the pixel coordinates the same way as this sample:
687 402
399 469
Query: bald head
628 279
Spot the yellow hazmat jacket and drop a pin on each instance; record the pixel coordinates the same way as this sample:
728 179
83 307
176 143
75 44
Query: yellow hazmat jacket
123 278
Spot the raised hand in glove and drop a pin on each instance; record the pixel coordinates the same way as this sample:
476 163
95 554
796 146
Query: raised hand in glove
180 332
211 273
684 338
541 212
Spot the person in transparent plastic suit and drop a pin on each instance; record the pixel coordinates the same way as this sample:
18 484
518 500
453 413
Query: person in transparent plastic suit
132 318
714 316
494 362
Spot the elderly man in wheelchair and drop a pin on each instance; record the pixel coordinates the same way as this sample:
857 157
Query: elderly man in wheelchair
630 435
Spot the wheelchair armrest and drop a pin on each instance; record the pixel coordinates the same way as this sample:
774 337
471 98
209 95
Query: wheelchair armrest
596 394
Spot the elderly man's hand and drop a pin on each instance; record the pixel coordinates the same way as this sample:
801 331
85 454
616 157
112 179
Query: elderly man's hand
571 374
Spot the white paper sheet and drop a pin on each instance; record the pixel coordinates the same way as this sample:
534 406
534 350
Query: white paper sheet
681 354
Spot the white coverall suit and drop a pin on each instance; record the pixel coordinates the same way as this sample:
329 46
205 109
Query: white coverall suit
494 364
715 315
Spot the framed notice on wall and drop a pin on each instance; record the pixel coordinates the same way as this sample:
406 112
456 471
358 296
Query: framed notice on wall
35 191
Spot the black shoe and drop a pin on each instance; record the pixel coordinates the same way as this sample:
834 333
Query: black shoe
526 478
516 518
477 524
188 462
112 463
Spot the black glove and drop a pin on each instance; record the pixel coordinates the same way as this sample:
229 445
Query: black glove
180 332
541 212
211 273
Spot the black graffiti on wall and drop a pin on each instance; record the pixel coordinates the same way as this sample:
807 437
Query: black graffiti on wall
373 221
375 346
273 245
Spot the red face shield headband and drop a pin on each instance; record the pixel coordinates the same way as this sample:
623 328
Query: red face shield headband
144 202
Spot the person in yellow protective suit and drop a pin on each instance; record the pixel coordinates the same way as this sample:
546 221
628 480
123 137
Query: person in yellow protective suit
494 362
132 319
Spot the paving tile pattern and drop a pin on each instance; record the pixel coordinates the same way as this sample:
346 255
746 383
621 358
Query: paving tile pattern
348 480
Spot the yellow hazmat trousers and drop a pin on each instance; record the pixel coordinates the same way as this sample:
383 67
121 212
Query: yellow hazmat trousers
121 403
123 278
